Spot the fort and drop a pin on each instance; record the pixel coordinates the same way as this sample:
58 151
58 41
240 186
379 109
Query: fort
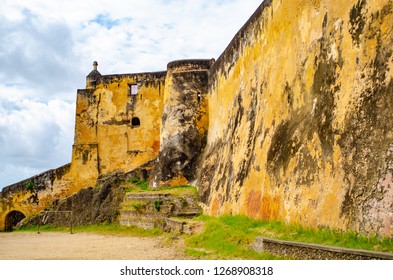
292 123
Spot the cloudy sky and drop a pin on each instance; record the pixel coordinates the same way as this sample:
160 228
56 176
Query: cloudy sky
47 48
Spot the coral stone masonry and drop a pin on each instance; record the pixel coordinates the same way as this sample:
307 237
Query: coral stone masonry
292 123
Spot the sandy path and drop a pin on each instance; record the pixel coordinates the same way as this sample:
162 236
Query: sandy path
83 246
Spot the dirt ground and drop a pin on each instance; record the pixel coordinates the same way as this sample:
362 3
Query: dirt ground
84 246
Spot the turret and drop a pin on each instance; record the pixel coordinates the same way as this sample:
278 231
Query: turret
184 122
91 79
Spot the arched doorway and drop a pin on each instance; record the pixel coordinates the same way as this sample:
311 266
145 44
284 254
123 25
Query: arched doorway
12 219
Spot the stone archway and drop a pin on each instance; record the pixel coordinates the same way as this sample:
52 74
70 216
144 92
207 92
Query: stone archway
12 219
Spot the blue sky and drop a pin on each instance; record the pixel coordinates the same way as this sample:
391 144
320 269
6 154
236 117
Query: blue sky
47 48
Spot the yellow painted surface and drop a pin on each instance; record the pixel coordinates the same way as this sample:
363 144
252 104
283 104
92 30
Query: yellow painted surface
281 48
121 145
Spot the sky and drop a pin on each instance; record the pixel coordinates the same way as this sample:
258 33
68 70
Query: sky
48 47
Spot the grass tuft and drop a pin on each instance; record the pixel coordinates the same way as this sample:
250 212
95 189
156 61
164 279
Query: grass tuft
137 185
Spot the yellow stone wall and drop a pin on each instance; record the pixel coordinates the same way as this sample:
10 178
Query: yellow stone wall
293 122
46 187
299 117
105 138
184 123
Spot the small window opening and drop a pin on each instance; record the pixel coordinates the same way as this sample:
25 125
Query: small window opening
133 88
135 122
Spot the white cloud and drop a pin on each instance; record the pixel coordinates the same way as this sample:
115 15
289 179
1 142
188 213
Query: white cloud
35 136
47 48
38 55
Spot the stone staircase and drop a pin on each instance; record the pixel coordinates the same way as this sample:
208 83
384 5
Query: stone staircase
160 210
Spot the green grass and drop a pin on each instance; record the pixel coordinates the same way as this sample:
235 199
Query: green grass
134 185
230 237
225 238
110 229
137 185
133 205
330 237
178 190
47 228
30 185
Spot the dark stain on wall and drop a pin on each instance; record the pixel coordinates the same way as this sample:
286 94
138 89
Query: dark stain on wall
316 116
253 132
93 205
367 133
113 121
207 175
357 20
325 88
231 180
285 144
179 153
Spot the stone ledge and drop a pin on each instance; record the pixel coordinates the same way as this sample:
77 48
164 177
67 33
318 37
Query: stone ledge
41 181
301 250
186 65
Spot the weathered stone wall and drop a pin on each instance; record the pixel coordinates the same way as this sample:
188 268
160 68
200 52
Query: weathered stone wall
300 125
34 194
115 128
92 205
292 122
184 122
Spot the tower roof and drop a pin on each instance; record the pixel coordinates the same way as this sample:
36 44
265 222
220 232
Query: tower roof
94 72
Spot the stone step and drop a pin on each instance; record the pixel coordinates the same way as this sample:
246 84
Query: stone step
186 213
143 223
186 226
134 214
147 196
166 224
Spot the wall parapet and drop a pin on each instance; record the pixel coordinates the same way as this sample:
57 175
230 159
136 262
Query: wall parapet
50 175
231 51
147 76
185 65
